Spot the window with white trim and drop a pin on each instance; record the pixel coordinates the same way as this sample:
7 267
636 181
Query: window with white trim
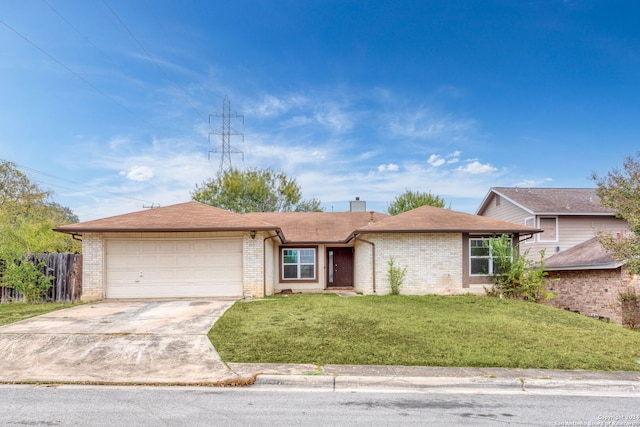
482 260
549 227
298 264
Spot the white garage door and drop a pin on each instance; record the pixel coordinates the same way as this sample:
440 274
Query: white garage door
174 268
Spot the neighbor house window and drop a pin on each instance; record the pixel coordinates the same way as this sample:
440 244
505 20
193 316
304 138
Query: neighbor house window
482 259
549 227
298 264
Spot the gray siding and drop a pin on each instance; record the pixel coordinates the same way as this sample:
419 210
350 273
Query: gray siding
506 210
573 230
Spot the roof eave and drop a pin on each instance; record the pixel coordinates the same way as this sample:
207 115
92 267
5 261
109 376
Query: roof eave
317 242
162 229
521 206
449 230
605 266
575 213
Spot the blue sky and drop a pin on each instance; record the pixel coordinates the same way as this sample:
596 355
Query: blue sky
107 102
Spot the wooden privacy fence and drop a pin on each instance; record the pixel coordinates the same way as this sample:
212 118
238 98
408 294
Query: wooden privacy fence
65 271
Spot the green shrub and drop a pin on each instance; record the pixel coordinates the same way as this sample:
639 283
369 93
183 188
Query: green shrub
630 308
515 276
396 276
26 278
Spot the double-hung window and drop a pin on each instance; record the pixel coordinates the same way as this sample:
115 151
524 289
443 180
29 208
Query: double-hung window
298 263
482 259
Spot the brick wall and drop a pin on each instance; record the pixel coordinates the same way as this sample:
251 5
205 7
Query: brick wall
433 262
591 292
363 266
92 267
253 265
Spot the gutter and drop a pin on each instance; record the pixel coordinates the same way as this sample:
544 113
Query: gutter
607 266
161 229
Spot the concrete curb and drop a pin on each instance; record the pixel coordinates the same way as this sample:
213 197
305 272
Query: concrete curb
333 383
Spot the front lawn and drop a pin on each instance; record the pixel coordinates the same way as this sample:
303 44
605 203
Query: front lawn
472 331
17 311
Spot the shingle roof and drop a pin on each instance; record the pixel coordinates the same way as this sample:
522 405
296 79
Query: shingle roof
298 227
584 256
432 219
315 227
560 201
190 216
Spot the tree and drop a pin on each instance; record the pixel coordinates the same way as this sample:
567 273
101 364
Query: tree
27 217
254 190
18 194
620 190
414 199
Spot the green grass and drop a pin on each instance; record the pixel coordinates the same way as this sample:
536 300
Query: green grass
17 311
463 331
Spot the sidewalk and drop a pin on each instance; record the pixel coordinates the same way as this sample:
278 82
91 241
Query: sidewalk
417 378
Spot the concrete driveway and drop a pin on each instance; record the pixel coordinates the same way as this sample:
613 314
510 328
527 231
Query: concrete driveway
117 342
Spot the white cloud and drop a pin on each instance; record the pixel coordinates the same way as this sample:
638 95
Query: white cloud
425 124
454 157
271 105
532 182
391 167
139 173
268 151
332 117
318 155
310 141
464 191
435 160
118 143
297 121
476 168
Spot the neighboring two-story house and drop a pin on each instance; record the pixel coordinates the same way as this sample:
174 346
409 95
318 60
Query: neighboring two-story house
581 274
567 216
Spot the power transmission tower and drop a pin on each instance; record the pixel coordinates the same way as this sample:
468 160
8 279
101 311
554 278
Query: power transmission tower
226 132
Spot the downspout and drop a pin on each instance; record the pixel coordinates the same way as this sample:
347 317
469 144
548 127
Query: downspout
373 258
264 264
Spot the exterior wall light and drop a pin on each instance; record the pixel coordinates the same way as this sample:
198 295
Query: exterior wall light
252 233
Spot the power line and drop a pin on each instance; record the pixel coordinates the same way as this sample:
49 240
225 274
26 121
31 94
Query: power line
84 37
152 59
173 46
94 189
63 65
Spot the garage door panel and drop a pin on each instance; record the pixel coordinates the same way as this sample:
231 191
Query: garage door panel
173 268
185 246
166 246
167 261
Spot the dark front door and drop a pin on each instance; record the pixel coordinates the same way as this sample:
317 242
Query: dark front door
339 267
